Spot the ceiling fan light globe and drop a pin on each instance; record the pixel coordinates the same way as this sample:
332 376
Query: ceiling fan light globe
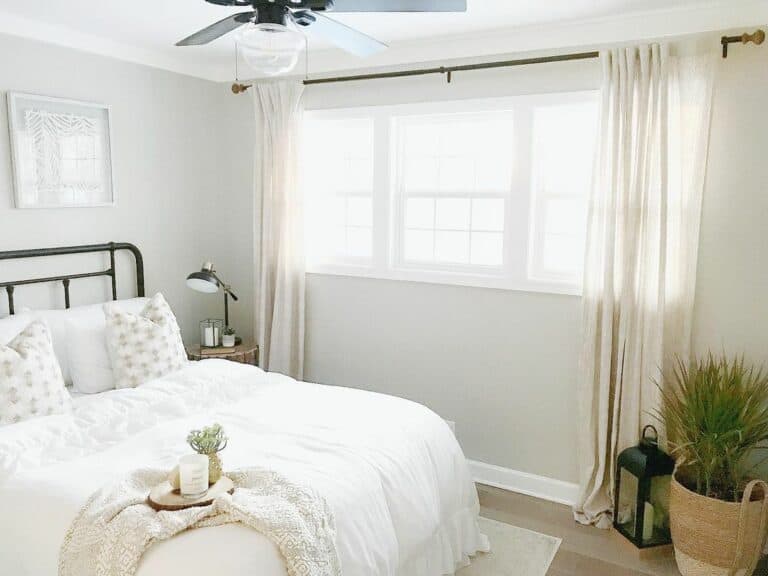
270 49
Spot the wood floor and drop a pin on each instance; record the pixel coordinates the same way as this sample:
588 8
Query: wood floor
585 551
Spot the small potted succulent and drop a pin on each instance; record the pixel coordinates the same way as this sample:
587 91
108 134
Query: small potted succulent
210 441
228 337
716 415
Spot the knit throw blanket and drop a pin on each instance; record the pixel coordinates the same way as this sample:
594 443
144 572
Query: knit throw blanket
116 526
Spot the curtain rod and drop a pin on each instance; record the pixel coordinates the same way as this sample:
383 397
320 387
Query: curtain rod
757 37
449 70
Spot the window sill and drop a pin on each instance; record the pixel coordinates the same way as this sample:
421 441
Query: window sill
449 279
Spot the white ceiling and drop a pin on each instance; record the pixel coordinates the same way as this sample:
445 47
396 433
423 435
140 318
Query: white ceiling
145 30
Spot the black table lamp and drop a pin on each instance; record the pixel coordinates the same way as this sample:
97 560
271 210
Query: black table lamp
208 282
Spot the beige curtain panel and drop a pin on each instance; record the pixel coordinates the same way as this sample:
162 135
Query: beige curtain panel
641 253
278 226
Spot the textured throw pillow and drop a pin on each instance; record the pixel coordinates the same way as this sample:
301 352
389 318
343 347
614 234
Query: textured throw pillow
31 383
146 346
87 353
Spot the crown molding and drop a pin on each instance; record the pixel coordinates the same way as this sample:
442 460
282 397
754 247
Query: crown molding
13 25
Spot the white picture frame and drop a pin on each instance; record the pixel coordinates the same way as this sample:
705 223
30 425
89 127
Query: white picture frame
61 152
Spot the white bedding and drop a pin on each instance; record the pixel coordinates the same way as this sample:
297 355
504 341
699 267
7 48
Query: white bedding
390 469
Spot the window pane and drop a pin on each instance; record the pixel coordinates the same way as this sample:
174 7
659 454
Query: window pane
494 174
457 174
359 211
564 140
458 138
487 248
566 216
421 140
488 214
421 174
420 213
562 254
358 176
452 247
419 245
452 214
359 242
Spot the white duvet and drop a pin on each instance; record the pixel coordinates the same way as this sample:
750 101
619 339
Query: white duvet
390 469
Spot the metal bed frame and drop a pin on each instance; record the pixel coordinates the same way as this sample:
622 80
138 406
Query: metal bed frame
110 247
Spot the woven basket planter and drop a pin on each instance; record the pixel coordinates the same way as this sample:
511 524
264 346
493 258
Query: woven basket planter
717 538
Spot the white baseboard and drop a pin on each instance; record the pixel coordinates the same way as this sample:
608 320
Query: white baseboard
524 483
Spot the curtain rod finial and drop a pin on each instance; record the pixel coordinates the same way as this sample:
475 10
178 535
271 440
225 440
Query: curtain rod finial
757 37
239 88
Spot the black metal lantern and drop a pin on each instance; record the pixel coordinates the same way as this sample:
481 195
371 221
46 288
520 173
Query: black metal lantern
641 509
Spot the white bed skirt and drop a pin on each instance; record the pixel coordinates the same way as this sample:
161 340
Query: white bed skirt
235 550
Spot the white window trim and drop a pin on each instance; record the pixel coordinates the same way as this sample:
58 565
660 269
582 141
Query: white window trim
515 274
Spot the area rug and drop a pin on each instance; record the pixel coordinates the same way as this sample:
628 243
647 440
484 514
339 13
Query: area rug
514 552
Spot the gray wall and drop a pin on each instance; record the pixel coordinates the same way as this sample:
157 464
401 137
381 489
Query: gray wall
732 290
181 164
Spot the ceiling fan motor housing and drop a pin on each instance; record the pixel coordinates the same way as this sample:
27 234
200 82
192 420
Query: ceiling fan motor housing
271 13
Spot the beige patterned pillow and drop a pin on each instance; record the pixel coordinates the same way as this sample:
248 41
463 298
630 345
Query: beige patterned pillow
31 383
146 346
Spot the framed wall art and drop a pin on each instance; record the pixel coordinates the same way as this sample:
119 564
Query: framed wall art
61 152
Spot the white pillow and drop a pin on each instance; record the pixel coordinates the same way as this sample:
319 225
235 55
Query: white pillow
146 346
88 359
31 384
58 320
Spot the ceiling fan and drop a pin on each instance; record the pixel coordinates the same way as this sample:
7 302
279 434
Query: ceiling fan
272 47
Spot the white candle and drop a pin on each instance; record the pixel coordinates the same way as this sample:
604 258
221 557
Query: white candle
193 475
648 521
208 339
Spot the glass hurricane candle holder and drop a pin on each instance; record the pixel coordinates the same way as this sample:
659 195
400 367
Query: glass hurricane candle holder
210 333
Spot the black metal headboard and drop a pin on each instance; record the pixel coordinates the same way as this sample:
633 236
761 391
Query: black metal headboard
110 247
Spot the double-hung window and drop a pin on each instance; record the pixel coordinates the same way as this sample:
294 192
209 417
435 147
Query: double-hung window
488 192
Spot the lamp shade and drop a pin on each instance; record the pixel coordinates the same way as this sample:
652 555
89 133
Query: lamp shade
203 281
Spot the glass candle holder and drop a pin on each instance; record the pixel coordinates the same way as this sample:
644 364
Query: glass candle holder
193 475
211 331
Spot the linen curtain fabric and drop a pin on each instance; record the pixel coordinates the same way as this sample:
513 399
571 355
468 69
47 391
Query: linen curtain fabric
641 253
280 268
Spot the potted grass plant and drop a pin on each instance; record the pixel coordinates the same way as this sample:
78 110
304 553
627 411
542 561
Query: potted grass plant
715 411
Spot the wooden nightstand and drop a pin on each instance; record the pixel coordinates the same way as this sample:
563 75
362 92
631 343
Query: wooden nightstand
245 353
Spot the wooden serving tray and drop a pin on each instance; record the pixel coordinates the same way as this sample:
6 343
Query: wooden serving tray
164 498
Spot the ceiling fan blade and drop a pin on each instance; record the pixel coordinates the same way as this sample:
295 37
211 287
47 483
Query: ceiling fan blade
217 30
341 35
399 6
